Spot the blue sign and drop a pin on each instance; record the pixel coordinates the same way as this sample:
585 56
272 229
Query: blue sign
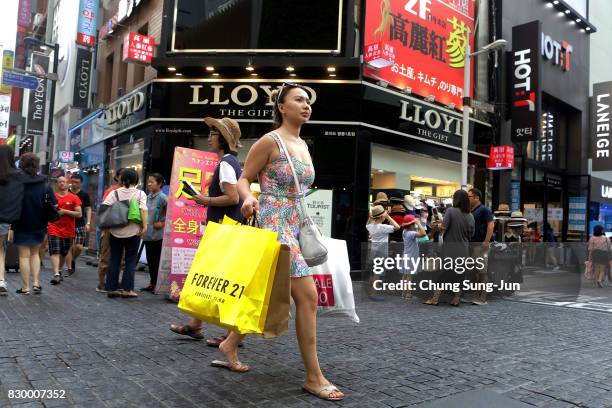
19 80
577 214
515 195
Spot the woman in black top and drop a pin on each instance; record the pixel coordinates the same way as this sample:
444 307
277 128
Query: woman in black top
222 199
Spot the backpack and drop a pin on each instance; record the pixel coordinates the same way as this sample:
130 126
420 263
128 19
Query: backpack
11 200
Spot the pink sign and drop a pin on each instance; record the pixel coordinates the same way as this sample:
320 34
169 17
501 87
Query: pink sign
187 217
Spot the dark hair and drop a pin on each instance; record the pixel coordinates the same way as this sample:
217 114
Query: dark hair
7 163
29 163
277 97
598 231
129 177
461 201
224 145
476 193
158 178
117 175
77 176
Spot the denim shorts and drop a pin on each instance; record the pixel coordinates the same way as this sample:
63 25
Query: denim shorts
4 228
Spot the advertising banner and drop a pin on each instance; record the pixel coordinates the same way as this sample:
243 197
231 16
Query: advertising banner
82 79
525 98
5 114
138 48
319 206
501 158
35 120
419 45
515 196
8 62
25 13
601 114
184 217
88 15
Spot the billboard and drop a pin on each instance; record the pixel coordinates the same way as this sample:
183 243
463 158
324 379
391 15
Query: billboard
420 45
525 97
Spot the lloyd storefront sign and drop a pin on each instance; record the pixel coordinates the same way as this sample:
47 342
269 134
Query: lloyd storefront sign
601 115
525 82
82 79
501 158
419 44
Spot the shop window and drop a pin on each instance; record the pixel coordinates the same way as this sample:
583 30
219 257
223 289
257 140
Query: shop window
128 155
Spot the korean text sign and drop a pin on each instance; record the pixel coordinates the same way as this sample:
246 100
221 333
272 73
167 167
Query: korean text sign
88 15
187 217
138 48
419 44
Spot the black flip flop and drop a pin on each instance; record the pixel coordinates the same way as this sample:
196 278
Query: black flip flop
20 291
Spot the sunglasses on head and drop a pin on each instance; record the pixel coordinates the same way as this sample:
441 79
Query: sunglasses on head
282 89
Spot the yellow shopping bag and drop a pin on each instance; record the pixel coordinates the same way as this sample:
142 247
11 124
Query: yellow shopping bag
231 277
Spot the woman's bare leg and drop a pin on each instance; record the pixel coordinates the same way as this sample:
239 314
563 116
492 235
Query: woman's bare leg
35 264
2 239
24 266
304 294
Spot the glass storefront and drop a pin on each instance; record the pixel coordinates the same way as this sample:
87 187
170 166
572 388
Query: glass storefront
128 155
399 173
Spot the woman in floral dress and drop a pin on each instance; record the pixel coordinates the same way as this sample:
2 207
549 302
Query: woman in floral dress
278 210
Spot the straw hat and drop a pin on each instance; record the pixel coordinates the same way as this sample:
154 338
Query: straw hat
503 210
381 198
229 129
517 219
377 211
409 201
408 220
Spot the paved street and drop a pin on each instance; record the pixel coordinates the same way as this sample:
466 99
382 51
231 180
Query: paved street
117 353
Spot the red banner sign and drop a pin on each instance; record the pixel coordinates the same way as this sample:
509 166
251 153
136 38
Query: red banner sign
138 48
501 158
419 44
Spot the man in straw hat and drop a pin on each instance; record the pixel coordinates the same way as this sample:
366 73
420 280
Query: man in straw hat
222 198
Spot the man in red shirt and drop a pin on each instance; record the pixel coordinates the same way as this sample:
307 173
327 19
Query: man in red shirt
62 232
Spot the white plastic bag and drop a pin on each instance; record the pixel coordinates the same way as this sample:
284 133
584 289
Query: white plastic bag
333 280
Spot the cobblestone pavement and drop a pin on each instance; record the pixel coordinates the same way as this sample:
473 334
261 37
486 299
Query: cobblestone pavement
119 353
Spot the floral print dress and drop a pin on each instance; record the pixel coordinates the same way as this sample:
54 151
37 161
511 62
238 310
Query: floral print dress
279 207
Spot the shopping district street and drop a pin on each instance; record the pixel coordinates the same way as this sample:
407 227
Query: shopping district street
547 347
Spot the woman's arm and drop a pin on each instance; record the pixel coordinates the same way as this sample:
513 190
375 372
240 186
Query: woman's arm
392 222
256 160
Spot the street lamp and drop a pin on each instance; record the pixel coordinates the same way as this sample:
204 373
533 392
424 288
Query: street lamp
29 42
492 47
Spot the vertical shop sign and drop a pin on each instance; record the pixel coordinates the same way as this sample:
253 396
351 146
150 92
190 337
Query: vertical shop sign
525 98
501 158
82 79
25 12
577 214
138 48
35 120
515 196
88 16
184 217
601 114
419 44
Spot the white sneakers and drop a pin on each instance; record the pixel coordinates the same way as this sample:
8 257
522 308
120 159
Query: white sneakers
3 290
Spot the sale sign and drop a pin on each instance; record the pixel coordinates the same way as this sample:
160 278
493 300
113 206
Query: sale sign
138 48
419 44
501 158
187 219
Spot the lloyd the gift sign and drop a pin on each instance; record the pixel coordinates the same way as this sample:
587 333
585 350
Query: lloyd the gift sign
80 98
138 48
525 82
601 113
501 158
